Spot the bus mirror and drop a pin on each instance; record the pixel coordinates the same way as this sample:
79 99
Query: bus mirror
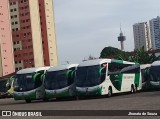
35 76
42 77
68 74
101 71
72 74
8 85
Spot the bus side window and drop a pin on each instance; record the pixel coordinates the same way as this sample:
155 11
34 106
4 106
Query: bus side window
115 68
134 69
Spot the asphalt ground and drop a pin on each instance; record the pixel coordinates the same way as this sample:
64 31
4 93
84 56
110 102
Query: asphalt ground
137 101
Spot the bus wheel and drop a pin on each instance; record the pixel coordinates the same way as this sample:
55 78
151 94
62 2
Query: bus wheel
135 89
45 99
109 92
28 101
132 89
77 98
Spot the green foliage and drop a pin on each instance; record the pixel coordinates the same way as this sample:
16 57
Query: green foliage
108 52
140 56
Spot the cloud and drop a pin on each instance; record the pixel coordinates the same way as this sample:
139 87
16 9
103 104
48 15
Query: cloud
85 27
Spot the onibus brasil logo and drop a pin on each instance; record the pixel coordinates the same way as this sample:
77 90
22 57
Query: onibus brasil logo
21 113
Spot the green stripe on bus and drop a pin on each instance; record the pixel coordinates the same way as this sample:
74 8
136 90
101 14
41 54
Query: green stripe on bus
120 81
136 79
117 61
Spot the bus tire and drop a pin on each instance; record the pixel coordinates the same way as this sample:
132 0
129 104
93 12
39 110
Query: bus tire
135 89
77 97
109 91
132 89
28 101
45 99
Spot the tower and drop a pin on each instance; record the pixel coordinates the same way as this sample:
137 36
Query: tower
121 38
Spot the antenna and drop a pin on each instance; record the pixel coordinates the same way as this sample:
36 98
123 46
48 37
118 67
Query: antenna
121 38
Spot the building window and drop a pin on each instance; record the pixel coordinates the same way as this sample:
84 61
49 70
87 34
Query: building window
24 35
15 9
27 20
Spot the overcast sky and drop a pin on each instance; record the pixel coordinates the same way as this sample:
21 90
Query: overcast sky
85 27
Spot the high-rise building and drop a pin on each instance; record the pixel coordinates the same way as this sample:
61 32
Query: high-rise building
27 33
141 36
155 32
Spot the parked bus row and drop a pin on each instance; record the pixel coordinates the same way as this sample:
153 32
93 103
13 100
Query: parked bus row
93 77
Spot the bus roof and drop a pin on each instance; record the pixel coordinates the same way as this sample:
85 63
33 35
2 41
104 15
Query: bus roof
155 63
101 61
31 70
61 67
143 66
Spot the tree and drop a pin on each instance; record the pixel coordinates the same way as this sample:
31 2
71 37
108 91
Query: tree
139 56
110 52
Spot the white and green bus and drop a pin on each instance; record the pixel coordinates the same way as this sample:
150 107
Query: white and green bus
145 76
60 81
107 76
29 84
150 76
154 73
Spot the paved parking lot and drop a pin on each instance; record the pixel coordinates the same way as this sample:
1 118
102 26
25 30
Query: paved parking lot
138 101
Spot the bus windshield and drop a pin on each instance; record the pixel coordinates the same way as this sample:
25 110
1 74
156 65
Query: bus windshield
155 73
56 80
88 76
24 82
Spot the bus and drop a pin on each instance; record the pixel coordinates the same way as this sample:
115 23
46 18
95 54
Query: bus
29 85
107 76
3 88
59 81
154 73
145 74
